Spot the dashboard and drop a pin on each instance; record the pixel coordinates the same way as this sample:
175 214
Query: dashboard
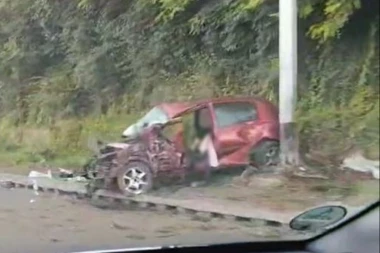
359 236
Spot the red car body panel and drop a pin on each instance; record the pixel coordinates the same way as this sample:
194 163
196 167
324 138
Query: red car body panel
162 157
234 143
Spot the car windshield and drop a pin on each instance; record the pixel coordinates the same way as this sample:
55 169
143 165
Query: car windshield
260 110
154 116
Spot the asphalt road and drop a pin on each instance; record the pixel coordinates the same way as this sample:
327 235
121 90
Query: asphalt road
42 224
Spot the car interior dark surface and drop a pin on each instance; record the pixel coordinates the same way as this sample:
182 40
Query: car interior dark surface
357 234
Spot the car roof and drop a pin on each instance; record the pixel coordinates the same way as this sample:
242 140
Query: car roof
175 108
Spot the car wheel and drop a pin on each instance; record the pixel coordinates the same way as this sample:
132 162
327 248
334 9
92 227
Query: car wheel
135 178
266 153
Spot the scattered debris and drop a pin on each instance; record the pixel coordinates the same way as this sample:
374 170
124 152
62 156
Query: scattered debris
69 175
35 187
65 173
308 175
358 162
55 240
198 184
120 225
33 175
77 179
37 174
6 184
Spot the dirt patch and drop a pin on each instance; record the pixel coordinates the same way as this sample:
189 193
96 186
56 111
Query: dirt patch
281 193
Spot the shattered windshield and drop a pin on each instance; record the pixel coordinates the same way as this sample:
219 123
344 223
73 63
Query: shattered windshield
277 112
154 116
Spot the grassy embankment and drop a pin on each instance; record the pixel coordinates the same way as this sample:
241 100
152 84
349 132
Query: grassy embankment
65 144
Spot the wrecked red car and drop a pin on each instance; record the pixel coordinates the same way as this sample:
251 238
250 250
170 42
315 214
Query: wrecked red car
158 147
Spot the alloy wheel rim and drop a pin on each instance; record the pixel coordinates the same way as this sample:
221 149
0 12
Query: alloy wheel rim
135 179
271 155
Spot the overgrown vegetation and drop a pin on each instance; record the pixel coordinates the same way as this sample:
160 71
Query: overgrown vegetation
74 69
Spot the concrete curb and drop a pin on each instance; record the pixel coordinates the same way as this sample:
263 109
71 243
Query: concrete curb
107 200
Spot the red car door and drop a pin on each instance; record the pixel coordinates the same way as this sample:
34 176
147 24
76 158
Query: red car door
203 109
230 121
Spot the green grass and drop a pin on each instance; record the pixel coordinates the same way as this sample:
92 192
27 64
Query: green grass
64 145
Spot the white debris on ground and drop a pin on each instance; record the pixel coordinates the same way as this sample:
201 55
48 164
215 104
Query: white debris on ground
77 179
37 174
65 172
68 175
358 162
65 175
33 175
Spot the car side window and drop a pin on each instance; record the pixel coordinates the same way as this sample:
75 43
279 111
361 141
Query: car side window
229 114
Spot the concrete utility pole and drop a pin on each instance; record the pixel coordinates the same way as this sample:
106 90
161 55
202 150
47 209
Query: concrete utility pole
288 81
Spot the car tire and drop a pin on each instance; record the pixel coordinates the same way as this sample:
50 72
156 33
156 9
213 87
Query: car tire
133 174
266 153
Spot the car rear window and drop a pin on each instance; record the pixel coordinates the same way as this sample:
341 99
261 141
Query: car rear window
234 113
